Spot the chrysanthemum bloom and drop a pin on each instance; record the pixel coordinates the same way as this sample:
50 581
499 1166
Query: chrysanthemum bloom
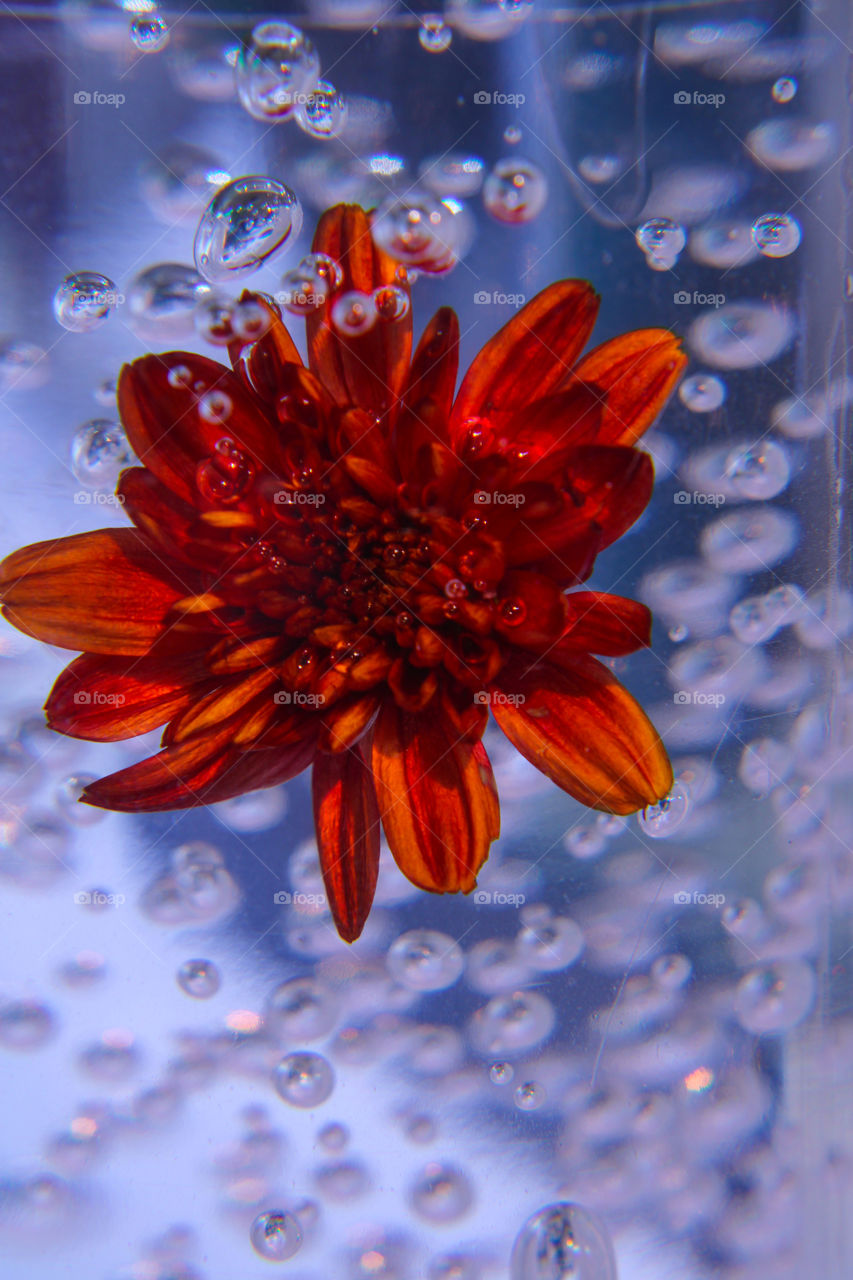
348 566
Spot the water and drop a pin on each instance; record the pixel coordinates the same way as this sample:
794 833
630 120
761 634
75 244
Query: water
627 1052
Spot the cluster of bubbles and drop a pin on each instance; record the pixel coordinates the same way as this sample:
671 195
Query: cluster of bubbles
661 240
278 78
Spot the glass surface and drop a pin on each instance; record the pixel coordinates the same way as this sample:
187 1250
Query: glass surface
646 1019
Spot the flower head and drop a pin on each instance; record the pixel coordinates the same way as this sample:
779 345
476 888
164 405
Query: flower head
349 565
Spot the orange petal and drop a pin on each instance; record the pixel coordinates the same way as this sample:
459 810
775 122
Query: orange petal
107 699
368 371
585 732
437 798
636 372
275 346
428 396
166 429
346 819
201 770
605 624
103 592
529 356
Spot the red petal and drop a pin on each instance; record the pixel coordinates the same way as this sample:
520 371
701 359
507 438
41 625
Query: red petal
437 798
367 371
529 356
274 347
585 732
201 770
540 439
103 592
346 818
605 624
107 699
428 396
611 485
531 610
166 429
636 372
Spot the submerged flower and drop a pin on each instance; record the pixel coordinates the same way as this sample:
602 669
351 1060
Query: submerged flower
349 565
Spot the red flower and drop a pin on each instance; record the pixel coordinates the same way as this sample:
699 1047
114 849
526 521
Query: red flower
353 566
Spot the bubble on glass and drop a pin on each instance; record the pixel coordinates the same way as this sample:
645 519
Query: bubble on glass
724 245
512 1023
276 1235
789 145
685 43
661 240
149 32
776 235
354 313
671 972
742 335
759 471
501 1073
512 135
585 842
113 1058
25 1024
204 68
441 1193
180 180
84 300
213 320
764 764
68 795
784 89
425 960
323 112
163 298
200 979
275 70
749 540
254 810
774 998
563 1241
827 618
302 1009
434 34
333 1137
800 417
550 945
494 965
515 191
99 453
304 1079
487 19
417 230
455 174
529 1096
702 392
246 222
23 365
600 169
663 819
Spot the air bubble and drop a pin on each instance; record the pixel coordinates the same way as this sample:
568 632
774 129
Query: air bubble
164 297
702 392
215 407
245 223
149 32
99 452
279 66
790 145
441 1193
391 302
434 34
661 820
276 1235
515 191
784 89
354 313
304 1079
776 997
563 1242
84 300
776 235
600 169
661 240
418 231
23 365
425 960
454 174
742 335
199 978
529 1096
323 113
758 471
